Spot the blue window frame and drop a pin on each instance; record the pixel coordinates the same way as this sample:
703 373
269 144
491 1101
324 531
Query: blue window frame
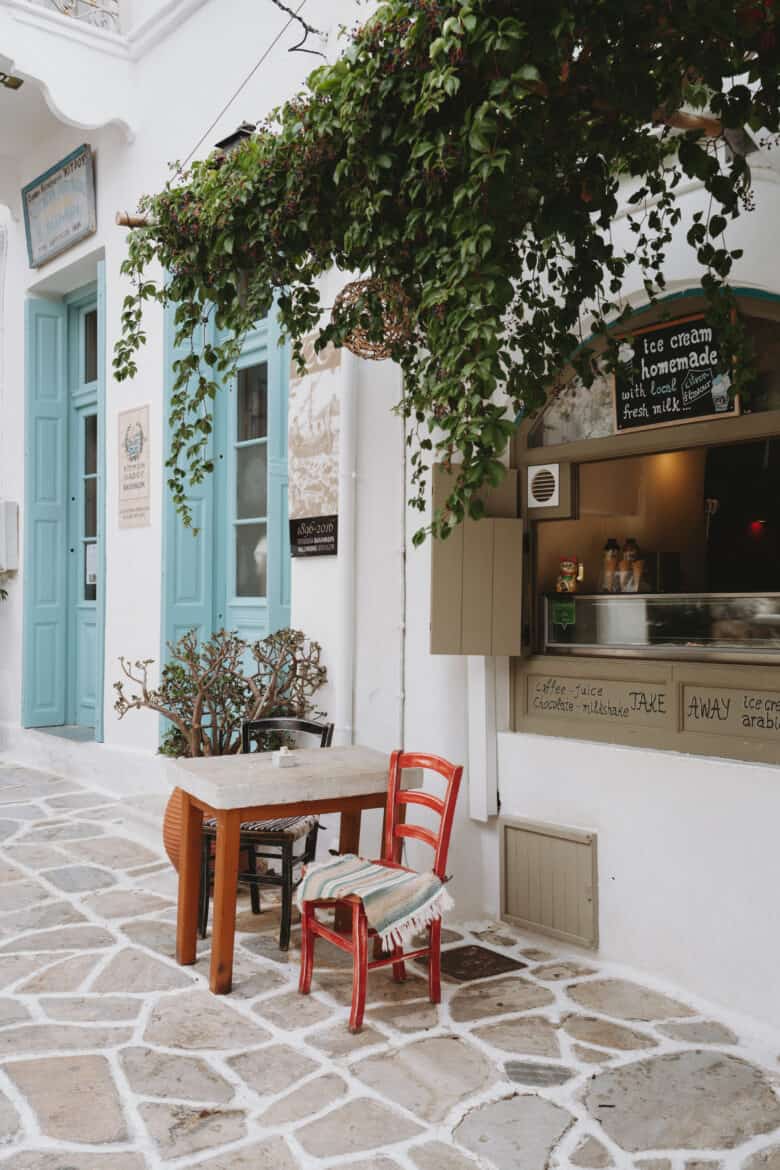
235 574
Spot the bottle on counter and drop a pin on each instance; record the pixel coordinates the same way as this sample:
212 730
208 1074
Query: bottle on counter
631 567
610 582
630 550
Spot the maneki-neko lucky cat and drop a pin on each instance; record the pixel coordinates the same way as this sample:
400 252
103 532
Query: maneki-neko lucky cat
571 573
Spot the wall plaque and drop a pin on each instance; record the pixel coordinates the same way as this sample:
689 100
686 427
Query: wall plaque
316 537
313 461
729 711
674 377
597 700
59 207
134 485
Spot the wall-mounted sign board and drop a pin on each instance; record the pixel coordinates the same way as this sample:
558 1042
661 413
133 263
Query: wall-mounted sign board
674 377
732 711
317 536
597 700
702 708
135 503
59 207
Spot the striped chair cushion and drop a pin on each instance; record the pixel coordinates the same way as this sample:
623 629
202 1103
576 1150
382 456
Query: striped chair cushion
294 827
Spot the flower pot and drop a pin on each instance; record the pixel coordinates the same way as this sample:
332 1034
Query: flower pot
171 830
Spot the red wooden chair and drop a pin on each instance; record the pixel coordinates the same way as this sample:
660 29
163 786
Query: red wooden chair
396 830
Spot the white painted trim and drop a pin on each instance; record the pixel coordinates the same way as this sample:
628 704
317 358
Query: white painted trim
503 695
80 124
488 709
344 672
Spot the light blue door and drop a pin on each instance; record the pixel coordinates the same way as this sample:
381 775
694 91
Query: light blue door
46 514
235 574
63 635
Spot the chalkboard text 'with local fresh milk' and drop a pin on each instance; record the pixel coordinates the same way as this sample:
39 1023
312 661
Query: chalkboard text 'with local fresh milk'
674 377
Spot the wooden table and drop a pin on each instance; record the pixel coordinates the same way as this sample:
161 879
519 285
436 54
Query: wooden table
241 788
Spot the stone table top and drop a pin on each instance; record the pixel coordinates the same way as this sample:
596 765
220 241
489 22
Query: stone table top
246 781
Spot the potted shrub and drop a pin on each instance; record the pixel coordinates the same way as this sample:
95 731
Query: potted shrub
208 689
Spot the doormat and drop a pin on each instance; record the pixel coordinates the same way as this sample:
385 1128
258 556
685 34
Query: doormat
474 962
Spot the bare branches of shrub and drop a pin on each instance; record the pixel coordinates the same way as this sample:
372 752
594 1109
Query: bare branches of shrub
207 689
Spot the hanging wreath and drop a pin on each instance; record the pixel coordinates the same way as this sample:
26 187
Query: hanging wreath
353 306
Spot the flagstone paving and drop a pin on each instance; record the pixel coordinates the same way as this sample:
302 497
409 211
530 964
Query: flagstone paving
114 1058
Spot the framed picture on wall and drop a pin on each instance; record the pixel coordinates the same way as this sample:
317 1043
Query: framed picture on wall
60 208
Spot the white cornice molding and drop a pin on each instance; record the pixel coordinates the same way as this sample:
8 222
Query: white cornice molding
131 46
159 25
67 27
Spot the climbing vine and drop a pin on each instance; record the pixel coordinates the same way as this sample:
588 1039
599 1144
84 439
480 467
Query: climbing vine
473 155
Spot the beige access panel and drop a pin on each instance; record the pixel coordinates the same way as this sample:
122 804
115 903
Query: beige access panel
549 880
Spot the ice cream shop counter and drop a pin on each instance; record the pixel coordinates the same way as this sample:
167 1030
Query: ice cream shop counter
651 598
738 627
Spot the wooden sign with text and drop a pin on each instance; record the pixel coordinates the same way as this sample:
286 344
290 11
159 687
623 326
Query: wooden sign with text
729 711
597 700
135 492
674 377
60 207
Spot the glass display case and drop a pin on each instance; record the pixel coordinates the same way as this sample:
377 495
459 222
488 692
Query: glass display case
734 626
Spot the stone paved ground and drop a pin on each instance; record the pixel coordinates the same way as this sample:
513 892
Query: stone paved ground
114 1058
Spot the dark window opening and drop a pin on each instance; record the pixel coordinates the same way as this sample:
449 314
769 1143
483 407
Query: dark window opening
676 552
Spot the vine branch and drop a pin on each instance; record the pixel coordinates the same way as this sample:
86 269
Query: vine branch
472 154
308 29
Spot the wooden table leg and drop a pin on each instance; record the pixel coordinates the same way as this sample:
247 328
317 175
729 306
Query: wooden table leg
349 842
189 881
223 930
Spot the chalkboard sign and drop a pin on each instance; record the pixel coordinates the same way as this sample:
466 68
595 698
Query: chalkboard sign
673 377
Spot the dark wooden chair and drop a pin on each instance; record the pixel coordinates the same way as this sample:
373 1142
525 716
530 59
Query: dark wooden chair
396 831
268 840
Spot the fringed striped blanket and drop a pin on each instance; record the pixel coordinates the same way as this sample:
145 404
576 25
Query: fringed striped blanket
397 902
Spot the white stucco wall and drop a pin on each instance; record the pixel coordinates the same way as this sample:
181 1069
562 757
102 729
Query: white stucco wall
177 89
689 867
688 870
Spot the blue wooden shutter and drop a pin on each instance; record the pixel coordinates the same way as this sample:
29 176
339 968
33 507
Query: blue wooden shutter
46 504
188 561
278 525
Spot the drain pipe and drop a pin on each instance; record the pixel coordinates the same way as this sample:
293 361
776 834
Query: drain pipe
344 673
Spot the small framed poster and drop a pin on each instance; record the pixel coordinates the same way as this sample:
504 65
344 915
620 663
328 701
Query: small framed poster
673 377
134 469
60 207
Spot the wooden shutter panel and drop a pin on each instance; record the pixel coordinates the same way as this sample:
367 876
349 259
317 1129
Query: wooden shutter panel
46 504
476 576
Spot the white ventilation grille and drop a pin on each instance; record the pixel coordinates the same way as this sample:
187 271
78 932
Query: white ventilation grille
544 486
